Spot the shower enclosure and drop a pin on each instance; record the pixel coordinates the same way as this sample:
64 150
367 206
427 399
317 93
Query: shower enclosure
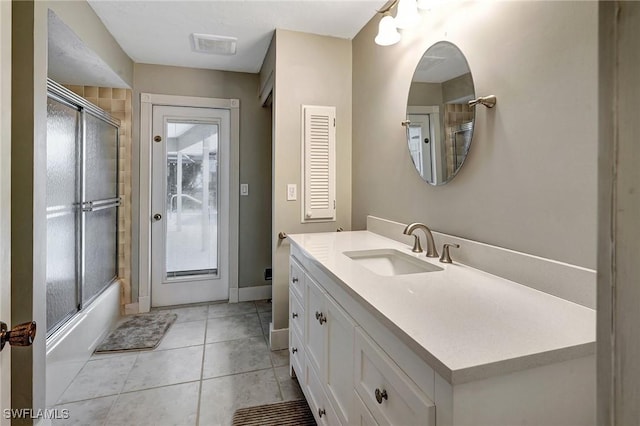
82 203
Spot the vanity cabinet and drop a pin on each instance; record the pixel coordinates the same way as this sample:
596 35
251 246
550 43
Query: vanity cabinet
345 375
463 348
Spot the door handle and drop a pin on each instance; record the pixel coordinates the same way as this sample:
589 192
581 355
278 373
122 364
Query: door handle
20 335
157 217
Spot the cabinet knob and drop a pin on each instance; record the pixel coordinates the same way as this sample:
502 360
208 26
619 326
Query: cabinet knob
294 315
321 412
294 350
294 280
320 317
380 396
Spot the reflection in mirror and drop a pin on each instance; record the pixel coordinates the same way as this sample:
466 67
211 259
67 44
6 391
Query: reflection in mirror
440 122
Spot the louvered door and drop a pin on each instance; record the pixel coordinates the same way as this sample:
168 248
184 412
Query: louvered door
319 169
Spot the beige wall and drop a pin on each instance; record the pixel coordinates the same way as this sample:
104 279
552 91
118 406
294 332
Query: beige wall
81 18
255 154
529 183
311 70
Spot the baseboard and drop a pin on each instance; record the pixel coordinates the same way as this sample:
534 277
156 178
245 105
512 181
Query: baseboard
278 339
233 295
144 304
246 294
132 309
569 282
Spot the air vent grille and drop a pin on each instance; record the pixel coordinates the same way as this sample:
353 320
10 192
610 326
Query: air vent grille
214 44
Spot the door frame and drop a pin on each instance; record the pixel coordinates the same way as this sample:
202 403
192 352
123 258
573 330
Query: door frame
147 102
5 195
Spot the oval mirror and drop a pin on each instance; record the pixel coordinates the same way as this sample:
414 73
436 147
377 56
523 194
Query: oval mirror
439 120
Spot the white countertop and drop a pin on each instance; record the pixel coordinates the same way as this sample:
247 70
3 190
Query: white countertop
469 323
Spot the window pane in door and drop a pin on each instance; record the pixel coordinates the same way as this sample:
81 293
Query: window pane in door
62 212
192 199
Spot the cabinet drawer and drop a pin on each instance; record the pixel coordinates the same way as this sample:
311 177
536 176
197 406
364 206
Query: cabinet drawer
318 402
296 314
391 397
296 356
296 278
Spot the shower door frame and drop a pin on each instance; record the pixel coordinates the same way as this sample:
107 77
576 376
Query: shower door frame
147 102
65 96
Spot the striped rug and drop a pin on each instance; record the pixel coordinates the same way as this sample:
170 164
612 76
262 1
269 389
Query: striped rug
279 414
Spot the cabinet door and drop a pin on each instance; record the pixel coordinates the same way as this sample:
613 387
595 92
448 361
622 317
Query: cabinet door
315 319
337 373
317 399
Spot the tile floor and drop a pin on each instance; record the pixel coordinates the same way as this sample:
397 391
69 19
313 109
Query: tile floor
213 360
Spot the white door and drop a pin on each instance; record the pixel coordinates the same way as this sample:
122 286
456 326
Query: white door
190 205
422 142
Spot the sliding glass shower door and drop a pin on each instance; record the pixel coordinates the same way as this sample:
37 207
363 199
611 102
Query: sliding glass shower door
82 203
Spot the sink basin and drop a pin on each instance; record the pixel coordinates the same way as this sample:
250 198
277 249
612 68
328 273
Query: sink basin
389 262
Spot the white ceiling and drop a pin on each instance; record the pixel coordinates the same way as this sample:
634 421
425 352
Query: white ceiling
440 63
158 32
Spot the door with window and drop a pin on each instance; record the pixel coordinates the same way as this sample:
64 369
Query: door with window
190 204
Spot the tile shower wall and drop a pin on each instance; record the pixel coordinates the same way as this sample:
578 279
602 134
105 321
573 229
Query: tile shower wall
117 102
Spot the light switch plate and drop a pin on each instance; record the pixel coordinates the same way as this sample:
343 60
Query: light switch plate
244 189
292 192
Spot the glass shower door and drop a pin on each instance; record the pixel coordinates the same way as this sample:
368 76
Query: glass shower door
99 206
82 204
63 125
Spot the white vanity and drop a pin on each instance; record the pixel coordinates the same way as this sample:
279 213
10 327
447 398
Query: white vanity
381 335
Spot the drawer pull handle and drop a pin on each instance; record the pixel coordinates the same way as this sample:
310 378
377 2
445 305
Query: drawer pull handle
294 315
294 350
380 396
321 412
320 317
295 280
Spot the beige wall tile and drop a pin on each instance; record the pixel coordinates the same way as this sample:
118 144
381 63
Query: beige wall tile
104 92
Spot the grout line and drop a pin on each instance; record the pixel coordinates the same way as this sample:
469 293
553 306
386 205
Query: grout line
204 349
113 404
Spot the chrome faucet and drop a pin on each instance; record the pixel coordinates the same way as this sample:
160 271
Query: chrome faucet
417 247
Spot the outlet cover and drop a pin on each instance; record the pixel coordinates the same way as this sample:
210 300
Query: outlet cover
292 192
244 189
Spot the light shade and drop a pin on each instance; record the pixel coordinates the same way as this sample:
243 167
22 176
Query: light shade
407 15
387 32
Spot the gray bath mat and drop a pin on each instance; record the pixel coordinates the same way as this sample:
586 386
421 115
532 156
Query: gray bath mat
290 413
138 332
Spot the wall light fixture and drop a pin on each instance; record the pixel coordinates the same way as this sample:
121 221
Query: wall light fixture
407 16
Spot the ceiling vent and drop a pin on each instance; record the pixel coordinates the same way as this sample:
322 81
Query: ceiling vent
214 44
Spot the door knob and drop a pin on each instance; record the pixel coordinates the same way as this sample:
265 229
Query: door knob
20 335
157 216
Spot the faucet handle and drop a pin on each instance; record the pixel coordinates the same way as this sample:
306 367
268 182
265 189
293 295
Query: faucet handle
417 247
446 258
